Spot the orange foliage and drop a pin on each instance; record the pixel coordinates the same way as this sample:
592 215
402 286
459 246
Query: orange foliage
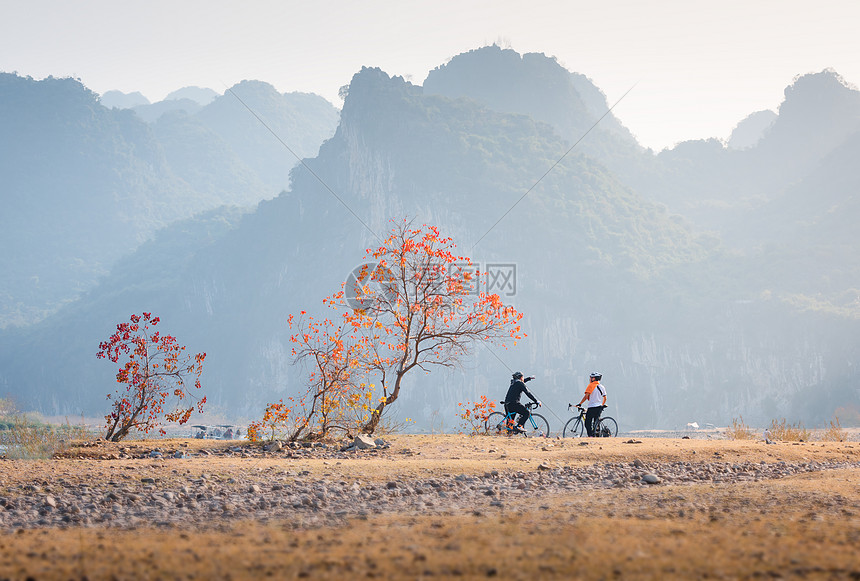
475 414
418 308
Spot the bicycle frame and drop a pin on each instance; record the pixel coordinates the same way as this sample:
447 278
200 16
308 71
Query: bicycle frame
511 418
505 422
604 423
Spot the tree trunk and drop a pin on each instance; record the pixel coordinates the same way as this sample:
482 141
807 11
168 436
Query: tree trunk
370 426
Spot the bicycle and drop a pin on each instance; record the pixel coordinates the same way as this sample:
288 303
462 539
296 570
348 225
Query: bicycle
499 423
607 427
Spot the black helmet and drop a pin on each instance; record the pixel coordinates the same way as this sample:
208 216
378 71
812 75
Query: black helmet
518 375
597 376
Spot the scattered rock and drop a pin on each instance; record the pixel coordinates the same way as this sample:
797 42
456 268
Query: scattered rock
291 493
363 442
273 446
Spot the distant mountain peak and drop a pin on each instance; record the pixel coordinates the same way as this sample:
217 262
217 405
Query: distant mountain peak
827 80
120 100
751 129
822 94
200 95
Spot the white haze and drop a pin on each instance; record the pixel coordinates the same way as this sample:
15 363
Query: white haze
699 67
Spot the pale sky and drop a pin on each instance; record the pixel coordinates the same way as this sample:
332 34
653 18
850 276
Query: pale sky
700 66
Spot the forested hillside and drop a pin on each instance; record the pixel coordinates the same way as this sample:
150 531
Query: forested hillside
83 185
700 280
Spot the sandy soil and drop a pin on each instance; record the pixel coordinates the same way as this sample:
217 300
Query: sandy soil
805 526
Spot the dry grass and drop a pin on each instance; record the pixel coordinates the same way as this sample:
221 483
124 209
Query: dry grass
739 430
834 432
786 432
803 526
30 439
782 430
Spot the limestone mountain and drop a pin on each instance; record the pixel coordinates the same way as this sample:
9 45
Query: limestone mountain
257 121
538 86
751 129
200 95
608 267
449 162
84 184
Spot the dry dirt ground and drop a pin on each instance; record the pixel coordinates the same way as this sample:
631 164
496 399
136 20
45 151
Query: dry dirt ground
804 526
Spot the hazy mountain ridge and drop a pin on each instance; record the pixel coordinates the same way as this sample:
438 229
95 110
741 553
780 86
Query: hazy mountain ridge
716 186
536 85
751 129
241 288
84 184
682 327
301 120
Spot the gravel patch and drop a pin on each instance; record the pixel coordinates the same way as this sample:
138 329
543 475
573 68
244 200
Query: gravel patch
275 494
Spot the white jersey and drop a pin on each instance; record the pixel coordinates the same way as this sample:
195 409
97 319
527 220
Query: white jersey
595 398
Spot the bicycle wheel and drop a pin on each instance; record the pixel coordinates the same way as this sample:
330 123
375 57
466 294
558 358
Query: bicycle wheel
610 425
495 423
542 429
574 428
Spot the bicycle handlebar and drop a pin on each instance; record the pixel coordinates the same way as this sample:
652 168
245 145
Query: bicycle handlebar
579 406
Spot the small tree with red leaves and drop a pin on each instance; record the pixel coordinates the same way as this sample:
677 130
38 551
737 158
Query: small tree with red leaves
155 373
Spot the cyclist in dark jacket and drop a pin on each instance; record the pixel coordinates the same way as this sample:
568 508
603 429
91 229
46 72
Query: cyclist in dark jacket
512 399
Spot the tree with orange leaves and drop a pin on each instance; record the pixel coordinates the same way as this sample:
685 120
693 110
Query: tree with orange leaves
417 310
336 398
335 356
154 374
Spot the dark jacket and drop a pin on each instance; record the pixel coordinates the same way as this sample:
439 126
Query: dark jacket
517 388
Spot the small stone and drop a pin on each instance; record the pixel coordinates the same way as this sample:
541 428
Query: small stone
651 479
273 446
364 442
